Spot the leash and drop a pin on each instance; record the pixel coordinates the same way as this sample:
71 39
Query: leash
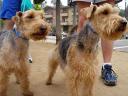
89 26
18 34
26 5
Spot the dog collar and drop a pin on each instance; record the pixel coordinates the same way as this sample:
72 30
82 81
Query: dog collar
89 25
18 34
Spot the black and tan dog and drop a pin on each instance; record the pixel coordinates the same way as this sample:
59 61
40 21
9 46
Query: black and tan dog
14 48
77 54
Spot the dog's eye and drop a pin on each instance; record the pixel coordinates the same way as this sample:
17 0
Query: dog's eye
105 12
30 16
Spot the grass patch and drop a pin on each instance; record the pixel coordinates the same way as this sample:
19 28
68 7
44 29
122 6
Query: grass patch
1 23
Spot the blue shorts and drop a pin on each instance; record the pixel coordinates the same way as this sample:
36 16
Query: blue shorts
9 8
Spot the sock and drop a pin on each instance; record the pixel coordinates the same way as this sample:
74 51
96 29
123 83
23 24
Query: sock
106 64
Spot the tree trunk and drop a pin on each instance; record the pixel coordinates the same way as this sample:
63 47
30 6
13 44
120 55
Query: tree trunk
74 16
58 26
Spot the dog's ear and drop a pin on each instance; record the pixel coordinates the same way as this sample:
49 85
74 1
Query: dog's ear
18 16
116 10
89 11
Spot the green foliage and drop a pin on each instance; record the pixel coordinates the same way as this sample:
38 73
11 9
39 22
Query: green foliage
122 12
1 23
37 7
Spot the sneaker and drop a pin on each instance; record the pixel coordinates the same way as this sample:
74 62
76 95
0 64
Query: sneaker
108 75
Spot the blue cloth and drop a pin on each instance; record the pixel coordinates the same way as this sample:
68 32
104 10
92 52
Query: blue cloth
9 8
26 5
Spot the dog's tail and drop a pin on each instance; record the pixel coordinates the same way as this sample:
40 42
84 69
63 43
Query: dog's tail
73 30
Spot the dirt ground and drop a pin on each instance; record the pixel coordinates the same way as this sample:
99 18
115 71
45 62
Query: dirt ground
38 74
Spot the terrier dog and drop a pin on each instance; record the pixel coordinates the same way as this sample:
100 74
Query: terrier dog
14 48
77 54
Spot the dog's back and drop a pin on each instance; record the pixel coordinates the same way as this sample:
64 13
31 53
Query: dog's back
86 40
64 46
6 36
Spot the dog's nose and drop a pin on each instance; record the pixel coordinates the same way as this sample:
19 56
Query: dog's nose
124 22
43 28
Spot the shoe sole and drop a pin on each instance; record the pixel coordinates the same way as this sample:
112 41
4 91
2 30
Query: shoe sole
109 83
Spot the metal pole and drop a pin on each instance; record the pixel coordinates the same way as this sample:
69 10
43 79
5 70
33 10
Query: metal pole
74 15
125 9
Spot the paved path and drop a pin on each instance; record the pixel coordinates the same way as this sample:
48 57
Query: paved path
38 74
121 45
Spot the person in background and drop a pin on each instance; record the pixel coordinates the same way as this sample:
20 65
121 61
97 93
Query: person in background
7 11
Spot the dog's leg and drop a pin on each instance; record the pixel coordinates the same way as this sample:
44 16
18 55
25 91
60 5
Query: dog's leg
51 70
3 83
88 88
17 79
72 83
22 76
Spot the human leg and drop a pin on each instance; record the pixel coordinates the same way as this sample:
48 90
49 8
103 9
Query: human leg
82 18
108 75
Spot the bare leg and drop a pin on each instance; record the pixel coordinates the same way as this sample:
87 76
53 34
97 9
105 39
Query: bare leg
22 76
52 69
108 75
107 47
3 83
81 17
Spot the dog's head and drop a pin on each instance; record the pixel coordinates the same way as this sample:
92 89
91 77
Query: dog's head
106 20
32 24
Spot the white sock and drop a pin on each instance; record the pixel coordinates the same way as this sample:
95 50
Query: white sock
106 64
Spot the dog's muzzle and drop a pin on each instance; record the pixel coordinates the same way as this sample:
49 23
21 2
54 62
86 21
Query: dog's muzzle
43 28
42 31
123 24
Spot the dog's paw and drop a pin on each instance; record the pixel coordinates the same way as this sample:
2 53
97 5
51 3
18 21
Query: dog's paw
17 82
48 83
29 93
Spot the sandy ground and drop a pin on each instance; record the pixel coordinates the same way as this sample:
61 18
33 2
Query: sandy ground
38 74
